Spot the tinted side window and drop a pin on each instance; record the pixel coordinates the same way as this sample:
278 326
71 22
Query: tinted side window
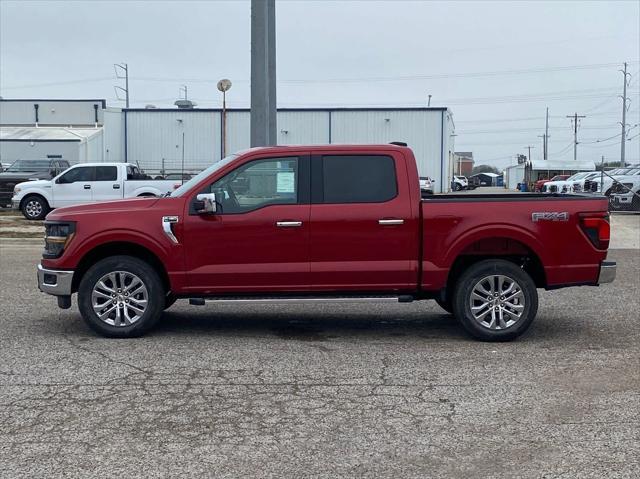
358 179
83 173
256 184
106 173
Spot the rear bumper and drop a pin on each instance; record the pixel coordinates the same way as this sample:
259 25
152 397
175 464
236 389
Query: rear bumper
55 282
607 272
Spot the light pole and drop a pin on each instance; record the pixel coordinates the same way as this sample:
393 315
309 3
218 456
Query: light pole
224 85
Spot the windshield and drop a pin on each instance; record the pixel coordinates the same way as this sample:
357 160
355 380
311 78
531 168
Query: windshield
577 176
202 175
29 166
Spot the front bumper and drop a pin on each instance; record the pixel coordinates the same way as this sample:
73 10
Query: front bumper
57 283
15 204
607 272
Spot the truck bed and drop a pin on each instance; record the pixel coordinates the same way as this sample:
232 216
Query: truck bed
541 226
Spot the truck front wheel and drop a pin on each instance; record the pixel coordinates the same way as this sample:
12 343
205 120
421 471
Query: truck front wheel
495 300
121 297
34 207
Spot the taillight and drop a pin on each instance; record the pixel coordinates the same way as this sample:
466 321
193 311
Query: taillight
596 227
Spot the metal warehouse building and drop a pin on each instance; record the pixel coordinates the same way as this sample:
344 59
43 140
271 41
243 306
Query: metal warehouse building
38 129
163 140
160 138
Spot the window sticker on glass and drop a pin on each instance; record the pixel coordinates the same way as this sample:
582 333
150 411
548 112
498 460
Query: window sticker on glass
285 182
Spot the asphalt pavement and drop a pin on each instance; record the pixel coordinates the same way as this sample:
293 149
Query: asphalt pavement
320 391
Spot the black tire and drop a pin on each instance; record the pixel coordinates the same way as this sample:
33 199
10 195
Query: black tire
457 187
635 203
446 305
472 277
34 207
133 266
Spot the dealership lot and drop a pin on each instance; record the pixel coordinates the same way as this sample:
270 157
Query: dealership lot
377 391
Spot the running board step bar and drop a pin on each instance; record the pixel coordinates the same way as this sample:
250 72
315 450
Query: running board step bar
301 299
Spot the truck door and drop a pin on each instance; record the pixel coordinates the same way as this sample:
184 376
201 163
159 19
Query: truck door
106 185
363 236
258 240
73 187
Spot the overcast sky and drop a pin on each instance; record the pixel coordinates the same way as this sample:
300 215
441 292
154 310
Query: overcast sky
496 65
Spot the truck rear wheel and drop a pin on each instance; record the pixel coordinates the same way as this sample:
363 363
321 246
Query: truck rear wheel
495 300
34 207
121 297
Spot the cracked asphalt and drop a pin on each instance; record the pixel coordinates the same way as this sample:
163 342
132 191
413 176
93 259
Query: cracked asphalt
320 391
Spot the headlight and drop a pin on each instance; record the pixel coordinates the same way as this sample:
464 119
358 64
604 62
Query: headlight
56 238
16 190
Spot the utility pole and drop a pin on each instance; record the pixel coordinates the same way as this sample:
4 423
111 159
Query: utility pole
527 170
574 119
124 68
263 73
546 137
623 139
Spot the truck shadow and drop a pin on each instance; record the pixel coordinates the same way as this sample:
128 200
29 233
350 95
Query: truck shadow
309 326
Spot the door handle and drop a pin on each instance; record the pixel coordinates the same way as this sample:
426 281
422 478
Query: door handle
391 221
116 187
87 187
288 224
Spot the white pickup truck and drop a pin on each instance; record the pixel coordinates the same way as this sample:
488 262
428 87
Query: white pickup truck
86 183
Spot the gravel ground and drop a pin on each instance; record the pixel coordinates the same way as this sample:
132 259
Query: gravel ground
320 391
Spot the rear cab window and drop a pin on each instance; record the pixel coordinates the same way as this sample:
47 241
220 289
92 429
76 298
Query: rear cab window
357 179
106 173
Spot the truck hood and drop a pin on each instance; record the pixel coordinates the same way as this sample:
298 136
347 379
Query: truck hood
125 206
23 176
34 184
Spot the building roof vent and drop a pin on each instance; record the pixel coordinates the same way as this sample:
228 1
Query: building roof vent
185 104
149 107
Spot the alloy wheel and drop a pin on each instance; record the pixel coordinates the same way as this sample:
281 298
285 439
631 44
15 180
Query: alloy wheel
497 302
119 298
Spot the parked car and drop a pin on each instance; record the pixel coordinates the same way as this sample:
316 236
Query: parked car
24 170
625 196
426 185
573 184
86 183
178 176
323 223
540 183
620 174
459 183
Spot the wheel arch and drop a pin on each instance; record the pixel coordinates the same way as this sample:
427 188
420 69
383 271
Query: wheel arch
117 248
39 193
510 247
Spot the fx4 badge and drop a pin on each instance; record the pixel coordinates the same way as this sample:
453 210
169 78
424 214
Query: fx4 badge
550 216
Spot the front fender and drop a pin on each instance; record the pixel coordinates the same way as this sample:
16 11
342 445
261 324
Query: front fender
72 257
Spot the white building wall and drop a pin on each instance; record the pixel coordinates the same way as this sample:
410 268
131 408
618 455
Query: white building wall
50 112
422 130
513 175
303 127
238 131
11 151
155 138
113 135
153 135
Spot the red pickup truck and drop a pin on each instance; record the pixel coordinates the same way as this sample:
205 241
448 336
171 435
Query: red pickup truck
323 223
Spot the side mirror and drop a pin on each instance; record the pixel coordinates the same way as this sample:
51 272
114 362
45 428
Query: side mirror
205 204
62 180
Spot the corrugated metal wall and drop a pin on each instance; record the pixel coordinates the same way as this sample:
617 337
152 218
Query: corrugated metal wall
154 139
420 129
156 134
